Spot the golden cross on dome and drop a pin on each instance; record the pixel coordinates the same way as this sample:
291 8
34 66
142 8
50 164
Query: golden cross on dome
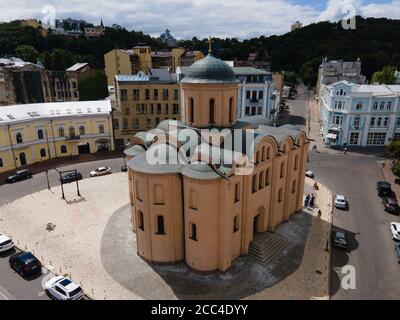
209 44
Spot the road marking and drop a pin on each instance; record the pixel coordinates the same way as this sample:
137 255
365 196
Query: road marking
2 294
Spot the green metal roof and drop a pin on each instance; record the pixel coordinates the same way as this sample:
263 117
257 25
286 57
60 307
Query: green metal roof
249 71
209 70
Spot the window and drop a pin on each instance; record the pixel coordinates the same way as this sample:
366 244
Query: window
165 94
191 110
375 105
158 108
257 157
254 184
382 106
124 123
42 153
212 111
127 112
280 195
398 122
136 94
341 92
176 94
396 136
158 194
282 172
175 108
385 121
354 137
260 94
160 225
231 118
248 93
147 94
268 153
140 220
236 224
337 120
356 122
372 122
296 162
40 134
193 231
261 180
379 122
137 191
63 149
18 137
267 177
1 162
166 108
263 153
237 192
294 183
124 94
116 124
193 203
340 105
389 105
359 106
155 94
376 138
101 128
82 130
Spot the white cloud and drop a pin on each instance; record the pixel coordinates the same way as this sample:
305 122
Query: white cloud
387 10
339 9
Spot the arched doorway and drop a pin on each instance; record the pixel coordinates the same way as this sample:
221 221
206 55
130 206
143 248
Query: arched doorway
258 223
22 158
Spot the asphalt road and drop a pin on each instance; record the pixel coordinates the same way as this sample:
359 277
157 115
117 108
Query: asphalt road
371 248
12 285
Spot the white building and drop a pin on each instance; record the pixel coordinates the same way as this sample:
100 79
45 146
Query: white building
363 115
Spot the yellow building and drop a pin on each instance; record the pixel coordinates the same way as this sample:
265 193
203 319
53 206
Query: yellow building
201 189
142 102
31 133
141 58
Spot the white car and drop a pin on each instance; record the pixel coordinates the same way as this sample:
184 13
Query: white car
6 243
101 171
395 229
61 288
309 174
340 202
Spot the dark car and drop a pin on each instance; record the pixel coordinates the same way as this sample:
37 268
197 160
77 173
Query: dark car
71 177
339 239
391 205
124 168
25 263
19 175
384 188
397 251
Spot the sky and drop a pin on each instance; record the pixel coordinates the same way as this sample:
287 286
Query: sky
188 18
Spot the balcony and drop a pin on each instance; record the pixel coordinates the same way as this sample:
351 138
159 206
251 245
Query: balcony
72 137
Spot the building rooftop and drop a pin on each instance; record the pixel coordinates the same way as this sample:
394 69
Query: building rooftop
28 112
77 66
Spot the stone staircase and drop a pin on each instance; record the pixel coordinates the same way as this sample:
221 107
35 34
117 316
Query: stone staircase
265 246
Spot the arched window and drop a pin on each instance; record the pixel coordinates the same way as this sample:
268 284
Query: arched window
263 153
137 191
42 153
257 157
160 225
61 132
63 149
18 137
71 131
280 195
140 220
1 162
212 111
237 192
294 186
296 162
191 110
236 224
231 111
82 130
101 128
268 153
261 180
158 194
267 177
282 174
254 184
193 231
40 134
193 199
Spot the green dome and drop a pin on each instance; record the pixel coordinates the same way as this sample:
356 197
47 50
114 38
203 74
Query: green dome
209 70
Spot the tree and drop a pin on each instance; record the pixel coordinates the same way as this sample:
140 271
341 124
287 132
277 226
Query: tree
393 148
93 87
27 53
396 168
385 76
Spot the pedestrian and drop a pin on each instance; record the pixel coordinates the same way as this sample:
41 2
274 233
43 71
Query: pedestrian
306 200
345 150
312 200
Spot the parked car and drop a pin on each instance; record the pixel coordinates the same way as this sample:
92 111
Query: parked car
20 175
395 229
309 174
100 171
391 205
124 168
339 239
6 243
340 202
61 288
397 251
71 177
25 263
384 188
